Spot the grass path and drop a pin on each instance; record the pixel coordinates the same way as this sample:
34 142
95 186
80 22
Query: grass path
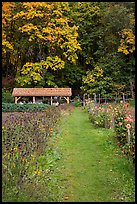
91 169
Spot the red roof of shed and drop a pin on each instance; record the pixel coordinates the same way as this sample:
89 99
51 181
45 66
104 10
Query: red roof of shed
41 92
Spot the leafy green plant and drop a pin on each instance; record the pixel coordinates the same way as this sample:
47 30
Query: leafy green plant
76 102
11 107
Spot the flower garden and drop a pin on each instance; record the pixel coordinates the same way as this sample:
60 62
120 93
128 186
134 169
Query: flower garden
30 142
28 154
121 118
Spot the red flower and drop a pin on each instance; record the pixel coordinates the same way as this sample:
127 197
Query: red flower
127 118
110 107
128 126
126 105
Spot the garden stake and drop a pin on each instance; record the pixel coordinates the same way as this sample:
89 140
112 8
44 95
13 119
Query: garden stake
128 130
105 117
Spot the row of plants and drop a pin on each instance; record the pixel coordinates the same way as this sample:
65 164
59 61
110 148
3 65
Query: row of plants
29 156
121 118
11 107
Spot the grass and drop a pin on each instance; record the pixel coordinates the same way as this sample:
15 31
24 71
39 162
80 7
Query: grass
132 103
91 168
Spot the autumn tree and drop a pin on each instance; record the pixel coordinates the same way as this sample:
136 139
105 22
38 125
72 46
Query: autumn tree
54 44
46 38
7 44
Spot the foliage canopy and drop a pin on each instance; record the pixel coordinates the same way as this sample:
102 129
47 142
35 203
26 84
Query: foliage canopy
61 44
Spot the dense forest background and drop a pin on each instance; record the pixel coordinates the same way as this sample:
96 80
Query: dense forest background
88 46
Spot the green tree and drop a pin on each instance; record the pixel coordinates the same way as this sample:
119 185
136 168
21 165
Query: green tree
86 15
114 31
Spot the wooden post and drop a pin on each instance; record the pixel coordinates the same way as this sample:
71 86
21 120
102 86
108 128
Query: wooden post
105 109
105 99
123 98
128 136
83 99
33 99
99 99
95 99
112 123
51 100
16 99
68 100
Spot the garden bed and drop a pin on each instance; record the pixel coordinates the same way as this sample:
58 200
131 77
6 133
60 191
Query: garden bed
11 107
28 153
121 118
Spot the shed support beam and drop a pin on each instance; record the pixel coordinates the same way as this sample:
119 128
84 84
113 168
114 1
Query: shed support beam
51 101
33 99
16 99
67 99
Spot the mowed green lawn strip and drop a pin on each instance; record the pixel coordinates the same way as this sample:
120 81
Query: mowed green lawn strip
91 168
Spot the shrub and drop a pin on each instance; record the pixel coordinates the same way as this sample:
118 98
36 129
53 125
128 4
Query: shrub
7 96
11 107
76 102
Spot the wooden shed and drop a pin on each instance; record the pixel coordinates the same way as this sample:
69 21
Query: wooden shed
33 92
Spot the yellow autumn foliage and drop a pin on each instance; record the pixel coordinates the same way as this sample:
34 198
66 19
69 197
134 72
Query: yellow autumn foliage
54 29
127 42
93 76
